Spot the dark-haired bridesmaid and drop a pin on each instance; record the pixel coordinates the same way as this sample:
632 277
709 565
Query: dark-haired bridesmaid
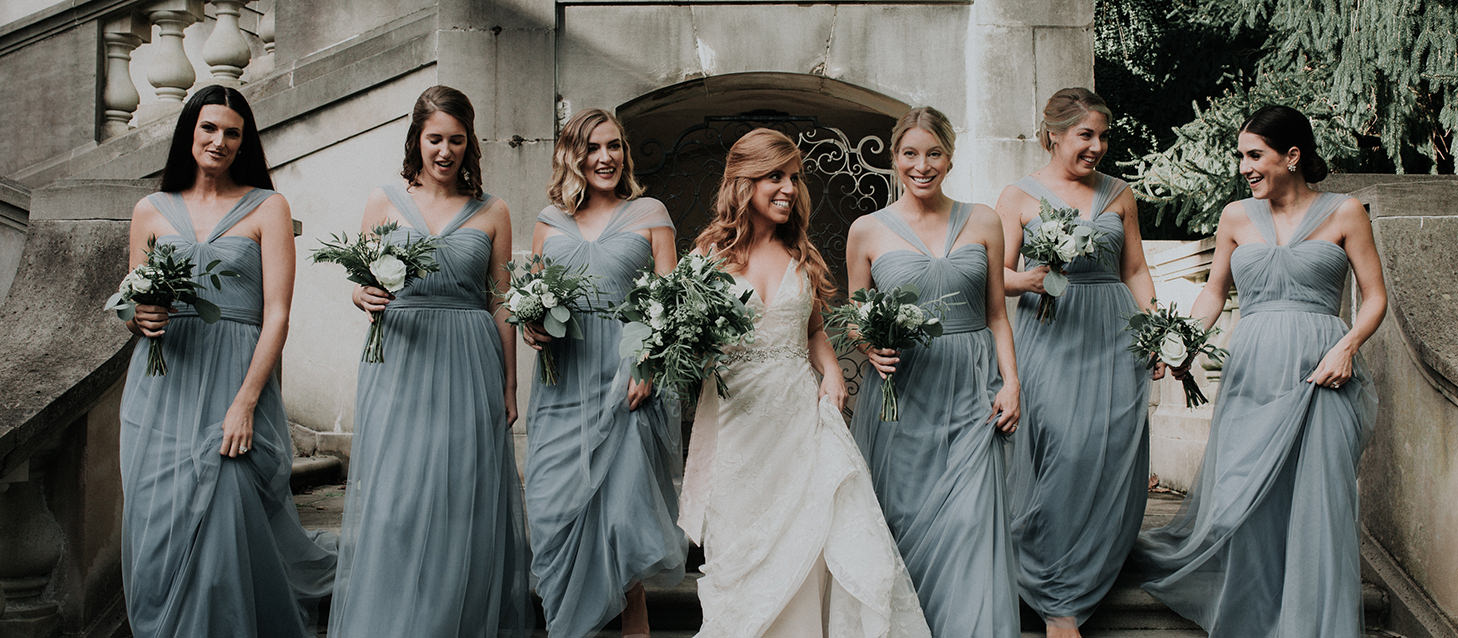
1267 543
211 543
433 541
604 449
1079 476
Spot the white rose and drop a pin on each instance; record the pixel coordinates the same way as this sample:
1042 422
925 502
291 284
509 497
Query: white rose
513 301
549 300
1067 249
389 271
864 312
1172 352
136 283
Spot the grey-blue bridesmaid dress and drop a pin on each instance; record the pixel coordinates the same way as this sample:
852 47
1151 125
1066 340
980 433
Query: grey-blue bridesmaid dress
1079 476
600 492
433 541
211 545
1267 543
939 472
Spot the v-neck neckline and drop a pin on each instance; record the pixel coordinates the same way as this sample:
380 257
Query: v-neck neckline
771 299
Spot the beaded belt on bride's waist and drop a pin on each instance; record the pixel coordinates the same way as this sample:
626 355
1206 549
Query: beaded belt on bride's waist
770 353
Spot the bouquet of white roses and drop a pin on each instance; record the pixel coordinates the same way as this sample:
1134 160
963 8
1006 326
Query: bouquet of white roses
885 319
369 260
552 295
161 280
1164 335
1057 241
679 324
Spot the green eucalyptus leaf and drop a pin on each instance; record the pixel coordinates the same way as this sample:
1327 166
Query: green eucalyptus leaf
634 334
1055 283
206 310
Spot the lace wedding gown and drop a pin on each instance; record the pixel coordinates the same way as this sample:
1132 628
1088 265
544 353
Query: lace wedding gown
780 498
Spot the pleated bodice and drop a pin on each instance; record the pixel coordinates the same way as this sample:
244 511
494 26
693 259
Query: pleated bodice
616 255
1102 267
238 298
960 272
1304 275
464 255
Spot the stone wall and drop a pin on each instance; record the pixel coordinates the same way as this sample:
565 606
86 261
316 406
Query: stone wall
1410 470
60 117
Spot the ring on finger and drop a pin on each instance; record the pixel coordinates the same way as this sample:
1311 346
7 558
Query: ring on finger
243 448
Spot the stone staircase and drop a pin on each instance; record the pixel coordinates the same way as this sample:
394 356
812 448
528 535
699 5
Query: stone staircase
1127 612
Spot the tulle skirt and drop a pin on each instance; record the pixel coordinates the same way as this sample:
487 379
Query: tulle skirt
1267 543
211 545
433 542
940 475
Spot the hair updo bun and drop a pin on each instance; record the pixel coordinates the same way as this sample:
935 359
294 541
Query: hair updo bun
1284 128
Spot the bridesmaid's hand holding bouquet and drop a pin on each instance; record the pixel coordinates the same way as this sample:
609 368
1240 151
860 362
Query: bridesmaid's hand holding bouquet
890 319
551 296
1162 335
679 324
369 260
1057 241
162 280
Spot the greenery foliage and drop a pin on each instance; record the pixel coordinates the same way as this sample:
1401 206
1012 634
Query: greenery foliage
1378 78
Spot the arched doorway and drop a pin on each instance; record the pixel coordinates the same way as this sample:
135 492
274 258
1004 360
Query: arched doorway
681 133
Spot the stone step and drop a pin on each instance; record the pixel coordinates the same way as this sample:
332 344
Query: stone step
313 471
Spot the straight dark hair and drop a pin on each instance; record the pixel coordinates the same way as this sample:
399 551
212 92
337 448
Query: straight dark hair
249 167
1284 128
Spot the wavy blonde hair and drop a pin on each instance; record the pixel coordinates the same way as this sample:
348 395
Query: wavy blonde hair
568 189
1066 108
757 154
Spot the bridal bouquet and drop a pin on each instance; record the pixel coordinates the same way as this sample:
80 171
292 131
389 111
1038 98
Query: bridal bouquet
1164 335
551 295
161 280
1057 241
369 260
679 324
885 319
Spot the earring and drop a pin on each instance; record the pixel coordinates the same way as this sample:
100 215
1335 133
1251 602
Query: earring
1290 168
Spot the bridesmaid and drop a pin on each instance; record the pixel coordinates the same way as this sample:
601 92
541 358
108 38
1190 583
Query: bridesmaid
604 449
1079 475
433 540
939 472
211 543
1267 544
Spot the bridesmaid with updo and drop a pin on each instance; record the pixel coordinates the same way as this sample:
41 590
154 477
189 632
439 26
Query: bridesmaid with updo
1080 470
939 472
1267 543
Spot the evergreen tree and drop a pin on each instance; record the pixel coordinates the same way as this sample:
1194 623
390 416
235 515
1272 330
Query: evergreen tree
1379 79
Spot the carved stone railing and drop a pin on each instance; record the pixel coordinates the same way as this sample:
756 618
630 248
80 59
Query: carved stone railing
170 71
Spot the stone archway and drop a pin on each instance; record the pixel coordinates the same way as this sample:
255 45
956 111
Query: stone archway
681 133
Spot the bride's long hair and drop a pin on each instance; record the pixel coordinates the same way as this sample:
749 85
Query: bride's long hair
757 154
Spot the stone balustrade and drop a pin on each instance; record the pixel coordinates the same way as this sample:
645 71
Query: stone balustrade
170 70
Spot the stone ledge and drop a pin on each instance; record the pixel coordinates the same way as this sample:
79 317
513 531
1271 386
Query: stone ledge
63 350
1413 222
1410 611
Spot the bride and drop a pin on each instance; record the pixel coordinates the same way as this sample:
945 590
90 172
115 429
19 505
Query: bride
774 489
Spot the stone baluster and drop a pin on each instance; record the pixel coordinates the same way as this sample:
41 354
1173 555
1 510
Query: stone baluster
30 547
266 30
119 98
226 51
171 73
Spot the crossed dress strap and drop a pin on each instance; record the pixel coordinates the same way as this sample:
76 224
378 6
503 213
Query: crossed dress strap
956 221
1259 212
1108 189
405 205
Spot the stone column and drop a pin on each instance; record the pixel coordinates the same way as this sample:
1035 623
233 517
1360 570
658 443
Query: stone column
171 73
30 547
119 98
1020 52
226 51
266 31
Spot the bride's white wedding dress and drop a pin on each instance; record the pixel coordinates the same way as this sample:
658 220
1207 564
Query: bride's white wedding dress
778 495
